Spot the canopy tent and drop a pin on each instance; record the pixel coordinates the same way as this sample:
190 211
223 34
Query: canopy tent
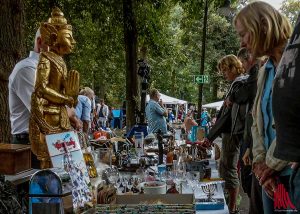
215 105
171 100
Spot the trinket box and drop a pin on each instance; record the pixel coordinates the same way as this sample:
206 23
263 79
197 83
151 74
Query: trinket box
15 158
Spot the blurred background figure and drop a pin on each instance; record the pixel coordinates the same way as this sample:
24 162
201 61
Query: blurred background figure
171 117
84 108
189 122
102 112
205 120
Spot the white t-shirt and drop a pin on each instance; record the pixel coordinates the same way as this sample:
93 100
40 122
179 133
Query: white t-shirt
104 110
20 86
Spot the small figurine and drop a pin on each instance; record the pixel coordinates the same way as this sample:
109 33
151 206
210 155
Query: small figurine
173 189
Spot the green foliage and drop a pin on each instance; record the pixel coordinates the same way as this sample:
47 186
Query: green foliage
221 40
171 30
291 9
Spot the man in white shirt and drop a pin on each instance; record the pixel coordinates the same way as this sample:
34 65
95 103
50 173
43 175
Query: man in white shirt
21 85
102 112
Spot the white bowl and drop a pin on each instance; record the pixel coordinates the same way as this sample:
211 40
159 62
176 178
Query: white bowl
154 187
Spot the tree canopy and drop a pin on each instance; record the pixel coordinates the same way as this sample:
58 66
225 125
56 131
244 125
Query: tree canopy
170 31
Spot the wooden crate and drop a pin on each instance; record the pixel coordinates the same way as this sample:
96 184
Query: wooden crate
14 158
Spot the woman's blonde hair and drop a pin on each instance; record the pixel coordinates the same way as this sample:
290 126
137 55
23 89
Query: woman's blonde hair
268 28
86 91
230 63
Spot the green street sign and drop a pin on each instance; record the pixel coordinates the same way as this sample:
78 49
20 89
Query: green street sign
201 79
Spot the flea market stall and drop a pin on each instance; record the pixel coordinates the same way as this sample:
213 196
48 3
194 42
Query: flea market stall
131 175
99 171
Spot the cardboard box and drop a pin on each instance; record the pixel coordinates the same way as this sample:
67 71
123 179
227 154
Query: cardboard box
14 158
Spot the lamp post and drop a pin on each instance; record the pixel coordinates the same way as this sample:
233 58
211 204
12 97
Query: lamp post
226 11
200 87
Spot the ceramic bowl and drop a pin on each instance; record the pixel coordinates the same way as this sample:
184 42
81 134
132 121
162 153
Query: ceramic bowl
154 187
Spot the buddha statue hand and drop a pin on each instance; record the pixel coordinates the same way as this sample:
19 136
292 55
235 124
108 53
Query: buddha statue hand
72 84
70 102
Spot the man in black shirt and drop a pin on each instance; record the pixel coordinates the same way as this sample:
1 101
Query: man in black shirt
286 105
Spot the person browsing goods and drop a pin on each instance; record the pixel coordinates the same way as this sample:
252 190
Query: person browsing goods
156 113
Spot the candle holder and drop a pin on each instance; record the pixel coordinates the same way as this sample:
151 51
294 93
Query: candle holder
209 190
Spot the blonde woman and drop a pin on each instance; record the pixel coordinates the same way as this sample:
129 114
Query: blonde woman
230 124
264 31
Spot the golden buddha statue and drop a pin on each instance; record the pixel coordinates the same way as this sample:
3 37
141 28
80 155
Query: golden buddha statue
55 87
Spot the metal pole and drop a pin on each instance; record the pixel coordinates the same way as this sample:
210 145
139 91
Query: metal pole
200 87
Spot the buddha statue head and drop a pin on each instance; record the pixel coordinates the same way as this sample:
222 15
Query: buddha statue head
57 33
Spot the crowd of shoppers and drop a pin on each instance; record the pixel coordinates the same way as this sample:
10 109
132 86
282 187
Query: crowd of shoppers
270 148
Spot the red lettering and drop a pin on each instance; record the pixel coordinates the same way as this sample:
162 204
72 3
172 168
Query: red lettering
282 199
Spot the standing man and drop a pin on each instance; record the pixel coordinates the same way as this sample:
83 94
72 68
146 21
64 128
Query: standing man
84 107
102 112
156 113
20 86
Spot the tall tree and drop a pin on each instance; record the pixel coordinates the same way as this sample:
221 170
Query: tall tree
11 50
130 37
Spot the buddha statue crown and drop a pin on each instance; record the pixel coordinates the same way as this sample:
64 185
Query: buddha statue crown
57 19
55 23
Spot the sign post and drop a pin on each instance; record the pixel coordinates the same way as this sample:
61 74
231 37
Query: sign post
201 79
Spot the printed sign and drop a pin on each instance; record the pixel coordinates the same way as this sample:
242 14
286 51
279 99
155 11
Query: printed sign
65 152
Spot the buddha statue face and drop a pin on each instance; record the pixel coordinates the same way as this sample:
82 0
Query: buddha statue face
65 42
57 33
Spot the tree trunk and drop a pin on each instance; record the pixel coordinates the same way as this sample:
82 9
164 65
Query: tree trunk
215 88
11 49
200 88
142 86
173 78
130 37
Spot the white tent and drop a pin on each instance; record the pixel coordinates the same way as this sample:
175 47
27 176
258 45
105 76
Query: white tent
171 100
215 105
